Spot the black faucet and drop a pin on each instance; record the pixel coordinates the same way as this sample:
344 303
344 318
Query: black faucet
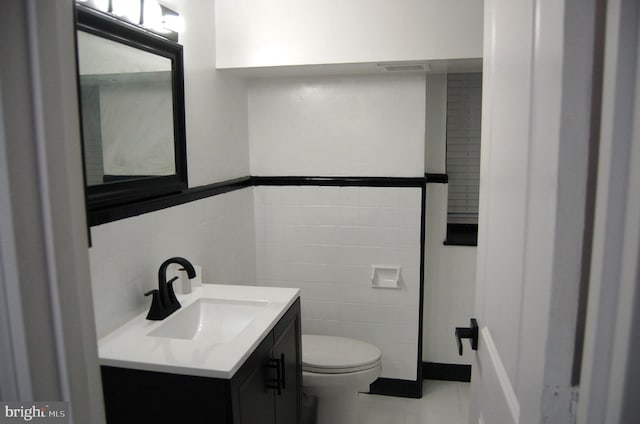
164 301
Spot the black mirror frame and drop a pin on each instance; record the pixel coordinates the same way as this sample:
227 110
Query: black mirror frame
107 199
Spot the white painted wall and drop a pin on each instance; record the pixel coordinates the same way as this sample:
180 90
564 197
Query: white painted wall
351 125
436 124
216 233
258 33
324 241
449 271
215 103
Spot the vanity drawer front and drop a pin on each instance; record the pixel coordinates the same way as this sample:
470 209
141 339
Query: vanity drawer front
137 396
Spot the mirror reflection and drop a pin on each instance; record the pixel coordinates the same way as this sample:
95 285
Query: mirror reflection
127 111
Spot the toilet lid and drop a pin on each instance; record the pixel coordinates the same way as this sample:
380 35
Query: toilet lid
332 355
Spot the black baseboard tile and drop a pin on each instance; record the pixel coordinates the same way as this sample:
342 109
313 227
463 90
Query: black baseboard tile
447 372
338 181
437 178
398 388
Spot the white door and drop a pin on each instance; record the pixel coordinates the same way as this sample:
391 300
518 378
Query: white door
533 185
502 213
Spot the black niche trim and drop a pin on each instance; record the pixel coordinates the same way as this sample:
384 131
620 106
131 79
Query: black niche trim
340 181
395 387
109 214
447 372
462 235
437 178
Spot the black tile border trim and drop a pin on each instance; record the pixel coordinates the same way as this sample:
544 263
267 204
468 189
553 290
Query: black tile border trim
423 223
114 213
398 388
447 372
340 181
437 178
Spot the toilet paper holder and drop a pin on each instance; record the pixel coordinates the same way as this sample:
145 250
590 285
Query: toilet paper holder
385 276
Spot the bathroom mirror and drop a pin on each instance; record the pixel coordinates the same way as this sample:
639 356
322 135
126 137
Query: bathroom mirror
132 112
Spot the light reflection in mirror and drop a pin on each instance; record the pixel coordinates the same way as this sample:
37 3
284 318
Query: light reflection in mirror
127 111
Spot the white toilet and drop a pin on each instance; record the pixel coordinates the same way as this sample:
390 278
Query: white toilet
335 369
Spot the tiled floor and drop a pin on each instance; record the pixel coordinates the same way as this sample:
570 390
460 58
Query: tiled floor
443 402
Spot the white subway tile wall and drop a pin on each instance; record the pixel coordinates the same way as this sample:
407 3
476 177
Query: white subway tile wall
216 233
324 240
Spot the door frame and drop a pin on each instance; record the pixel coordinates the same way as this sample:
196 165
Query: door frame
15 380
46 263
610 378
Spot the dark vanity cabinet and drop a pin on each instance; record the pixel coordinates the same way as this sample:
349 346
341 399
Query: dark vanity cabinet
267 389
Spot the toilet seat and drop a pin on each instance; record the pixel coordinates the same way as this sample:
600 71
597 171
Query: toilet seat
338 355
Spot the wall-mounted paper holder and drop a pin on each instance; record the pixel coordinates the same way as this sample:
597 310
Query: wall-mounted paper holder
385 276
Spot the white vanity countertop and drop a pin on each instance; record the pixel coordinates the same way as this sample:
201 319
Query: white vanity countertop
130 346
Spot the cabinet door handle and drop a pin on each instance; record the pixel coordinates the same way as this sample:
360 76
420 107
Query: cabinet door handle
282 372
277 382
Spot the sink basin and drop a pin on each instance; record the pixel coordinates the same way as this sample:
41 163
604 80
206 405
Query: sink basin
212 335
210 319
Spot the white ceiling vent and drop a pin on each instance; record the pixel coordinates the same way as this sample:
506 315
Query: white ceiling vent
406 67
